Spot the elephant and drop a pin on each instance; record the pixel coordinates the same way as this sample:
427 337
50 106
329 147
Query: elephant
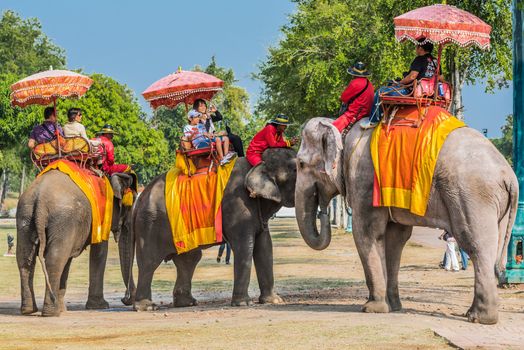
474 195
245 227
53 221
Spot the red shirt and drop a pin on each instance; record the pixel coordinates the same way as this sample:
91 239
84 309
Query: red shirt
266 138
359 108
108 158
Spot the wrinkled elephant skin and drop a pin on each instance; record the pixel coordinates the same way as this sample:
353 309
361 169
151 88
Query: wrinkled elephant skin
53 222
474 196
245 226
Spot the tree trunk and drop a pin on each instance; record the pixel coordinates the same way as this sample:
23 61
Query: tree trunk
458 77
22 181
2 188
5 181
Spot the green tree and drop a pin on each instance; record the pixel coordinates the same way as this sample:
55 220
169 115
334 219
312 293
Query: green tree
470 65
305 72
505 143
24 48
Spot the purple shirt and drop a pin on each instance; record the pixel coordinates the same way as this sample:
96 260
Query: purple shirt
45 132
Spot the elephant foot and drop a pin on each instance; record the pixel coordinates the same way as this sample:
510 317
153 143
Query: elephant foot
97 304
482 316
241 301
394 304
375 307
270 299
127 300
28 309
144 305
50 311
184 300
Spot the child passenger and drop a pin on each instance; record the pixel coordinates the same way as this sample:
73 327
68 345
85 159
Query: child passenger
200 138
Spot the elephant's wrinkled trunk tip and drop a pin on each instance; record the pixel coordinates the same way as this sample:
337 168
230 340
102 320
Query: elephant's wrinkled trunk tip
306 205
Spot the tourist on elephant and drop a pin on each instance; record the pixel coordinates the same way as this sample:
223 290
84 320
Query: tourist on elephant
74 127
213 115
105 136
423 66
46 131
357 98
201 138
271 136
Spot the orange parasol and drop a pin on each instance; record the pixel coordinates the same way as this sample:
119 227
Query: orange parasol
45 87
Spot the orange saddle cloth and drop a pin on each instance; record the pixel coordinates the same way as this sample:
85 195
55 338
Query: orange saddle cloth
98 191
404 157
194 204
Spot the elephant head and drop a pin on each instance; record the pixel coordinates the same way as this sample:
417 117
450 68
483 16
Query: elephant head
319 178
121 184
275 178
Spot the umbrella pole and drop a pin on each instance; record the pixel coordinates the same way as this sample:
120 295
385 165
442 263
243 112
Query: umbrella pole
57 133
440 47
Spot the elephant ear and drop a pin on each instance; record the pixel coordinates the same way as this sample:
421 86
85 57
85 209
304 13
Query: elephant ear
120 182
332 152
260 184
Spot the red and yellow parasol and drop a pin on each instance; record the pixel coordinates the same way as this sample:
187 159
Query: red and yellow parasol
45 87
442 24
182 86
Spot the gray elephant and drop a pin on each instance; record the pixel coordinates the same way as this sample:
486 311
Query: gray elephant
474 195
53 222
245 226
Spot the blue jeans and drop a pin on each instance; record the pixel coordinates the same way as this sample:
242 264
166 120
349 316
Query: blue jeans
228 251
392 90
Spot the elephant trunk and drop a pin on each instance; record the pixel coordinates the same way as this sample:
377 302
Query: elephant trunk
306 205
126 249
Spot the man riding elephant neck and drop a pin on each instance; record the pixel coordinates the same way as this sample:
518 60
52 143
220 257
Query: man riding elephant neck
357 97
108 160
271 136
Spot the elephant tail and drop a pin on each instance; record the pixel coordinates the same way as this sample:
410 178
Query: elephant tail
40 223
500 267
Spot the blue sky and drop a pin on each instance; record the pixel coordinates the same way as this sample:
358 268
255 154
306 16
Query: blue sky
138 42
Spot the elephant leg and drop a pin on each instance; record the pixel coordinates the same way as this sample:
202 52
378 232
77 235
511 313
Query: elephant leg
263 258
480 242
63 286
396 237
97 265
185 268
243 250
55 263
26 259
369 229
147 264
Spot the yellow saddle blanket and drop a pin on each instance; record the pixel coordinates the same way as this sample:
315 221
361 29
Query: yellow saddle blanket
404 157
98 191
194 204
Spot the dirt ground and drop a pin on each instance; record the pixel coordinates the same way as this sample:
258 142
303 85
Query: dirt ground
323 293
